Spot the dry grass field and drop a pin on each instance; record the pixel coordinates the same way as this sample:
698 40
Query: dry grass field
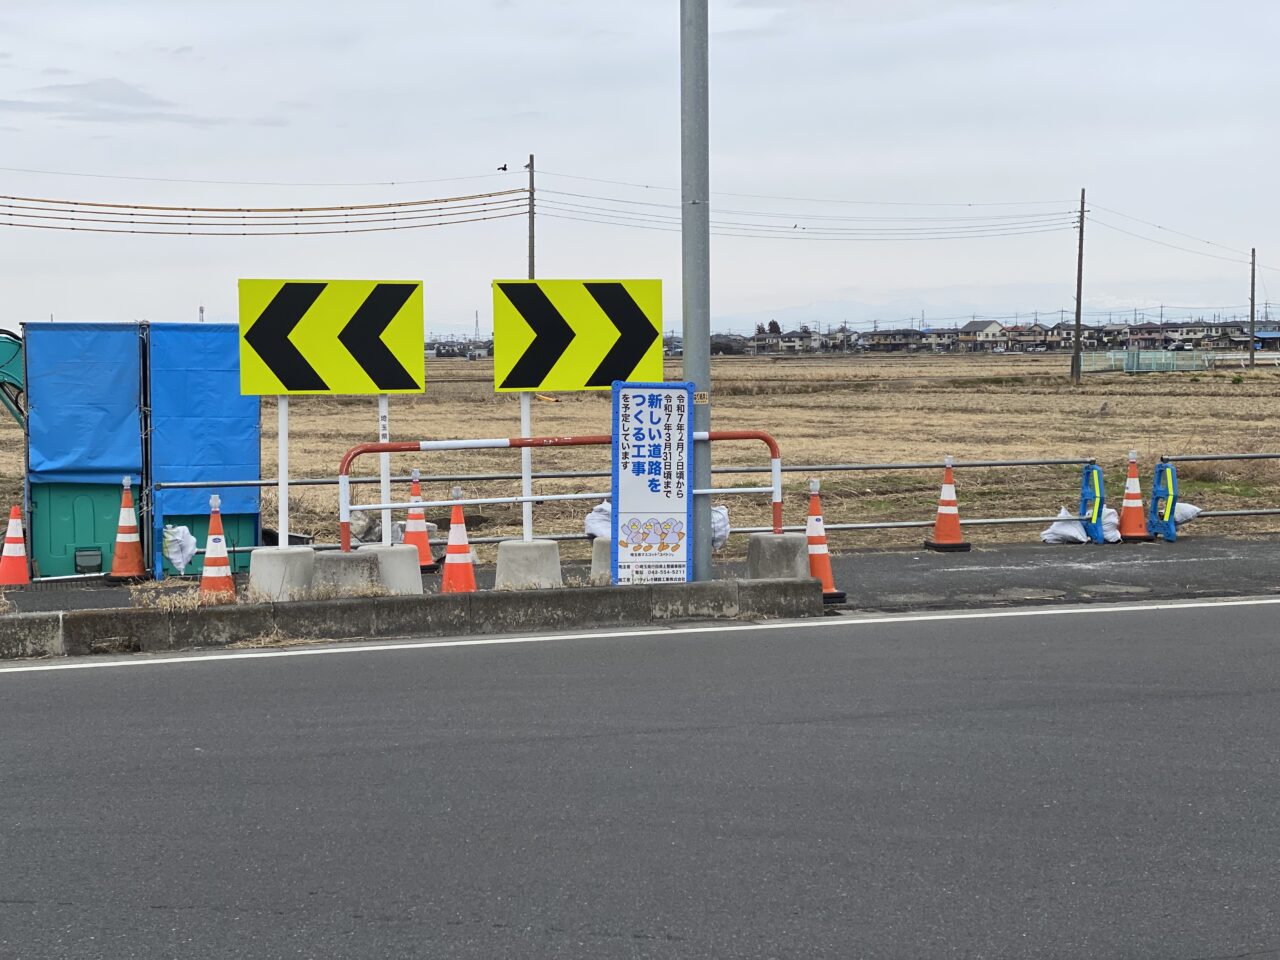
857 409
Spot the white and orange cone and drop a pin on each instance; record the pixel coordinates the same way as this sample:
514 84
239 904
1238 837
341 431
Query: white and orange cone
459 565
1133 519
415 528
13 561
819 559
216 583
946 528
126 559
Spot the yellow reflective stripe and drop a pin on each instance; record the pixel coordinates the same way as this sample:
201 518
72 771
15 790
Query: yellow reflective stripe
1097 496
1168 502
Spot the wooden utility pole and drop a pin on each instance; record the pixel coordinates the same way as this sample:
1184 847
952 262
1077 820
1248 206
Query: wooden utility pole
1075 347
1253 289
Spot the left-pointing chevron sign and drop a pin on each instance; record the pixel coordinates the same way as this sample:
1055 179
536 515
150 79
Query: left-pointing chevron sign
331 336
575 334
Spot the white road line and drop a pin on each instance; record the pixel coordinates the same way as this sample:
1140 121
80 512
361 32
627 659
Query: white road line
214 657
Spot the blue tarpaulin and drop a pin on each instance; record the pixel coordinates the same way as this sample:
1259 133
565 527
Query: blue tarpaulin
82 402
201 427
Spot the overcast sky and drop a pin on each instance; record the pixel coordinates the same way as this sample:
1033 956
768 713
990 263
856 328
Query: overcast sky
1165 110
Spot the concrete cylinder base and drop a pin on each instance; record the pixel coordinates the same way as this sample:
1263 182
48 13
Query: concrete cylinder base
528 565
778 556
281 573
397 568
601 561
339 574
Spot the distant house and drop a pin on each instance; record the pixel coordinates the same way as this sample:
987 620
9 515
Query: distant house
980 335
892 341
801 341
940 339
763 343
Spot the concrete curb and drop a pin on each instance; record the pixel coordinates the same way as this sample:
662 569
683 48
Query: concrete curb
88 632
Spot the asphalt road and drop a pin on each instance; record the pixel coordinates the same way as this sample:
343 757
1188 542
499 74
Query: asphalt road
1031 784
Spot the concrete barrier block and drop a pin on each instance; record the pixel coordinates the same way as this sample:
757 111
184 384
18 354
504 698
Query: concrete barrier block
30 635
338 574
128 630
218 626
281 573
528 565
398 570
434 615
779 599
777 556
511 611
703 600
347 619
601 561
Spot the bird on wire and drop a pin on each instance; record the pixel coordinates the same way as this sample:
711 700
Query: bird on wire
503 168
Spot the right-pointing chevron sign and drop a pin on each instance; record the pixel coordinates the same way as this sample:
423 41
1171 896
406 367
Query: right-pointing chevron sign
575 334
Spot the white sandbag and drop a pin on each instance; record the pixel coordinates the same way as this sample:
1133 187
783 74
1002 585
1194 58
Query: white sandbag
1066 530
1110 525
719 527
1184 513
179 547
599 522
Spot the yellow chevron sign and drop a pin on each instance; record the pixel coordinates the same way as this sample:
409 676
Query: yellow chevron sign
575 334
331 337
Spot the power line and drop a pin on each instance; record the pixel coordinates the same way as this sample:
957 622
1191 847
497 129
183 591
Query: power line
795 234
762 196
265 233
1172 246
1169 229
254 211
251 183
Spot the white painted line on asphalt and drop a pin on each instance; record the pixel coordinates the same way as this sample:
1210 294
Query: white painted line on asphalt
223 657
1079 564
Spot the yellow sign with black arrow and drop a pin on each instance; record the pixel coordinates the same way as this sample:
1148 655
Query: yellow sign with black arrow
331 337
575 334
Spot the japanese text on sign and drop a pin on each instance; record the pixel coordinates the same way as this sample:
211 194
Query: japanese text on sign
651 497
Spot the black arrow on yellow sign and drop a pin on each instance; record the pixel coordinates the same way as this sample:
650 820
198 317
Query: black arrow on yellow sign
269 336
635 333
361 336
552 334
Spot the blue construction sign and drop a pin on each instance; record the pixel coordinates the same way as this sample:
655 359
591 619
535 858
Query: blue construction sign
1164 502
1092 500
652 510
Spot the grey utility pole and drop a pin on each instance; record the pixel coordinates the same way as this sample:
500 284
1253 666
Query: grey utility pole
1253 290
1075 346
695 244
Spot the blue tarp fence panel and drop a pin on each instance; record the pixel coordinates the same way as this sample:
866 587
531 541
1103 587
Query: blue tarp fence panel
201 427
83 414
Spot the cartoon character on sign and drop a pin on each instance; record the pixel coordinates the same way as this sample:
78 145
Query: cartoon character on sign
649 535
627 533
672 534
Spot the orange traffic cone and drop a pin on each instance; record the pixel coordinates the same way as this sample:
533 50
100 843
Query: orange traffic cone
946 528
459 566
126 560
216 584
415 528
13 561
819 559
1133 519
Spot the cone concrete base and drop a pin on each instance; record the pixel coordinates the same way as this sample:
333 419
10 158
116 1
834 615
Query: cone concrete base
528 565
778 556
281 573
397 567
601 561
